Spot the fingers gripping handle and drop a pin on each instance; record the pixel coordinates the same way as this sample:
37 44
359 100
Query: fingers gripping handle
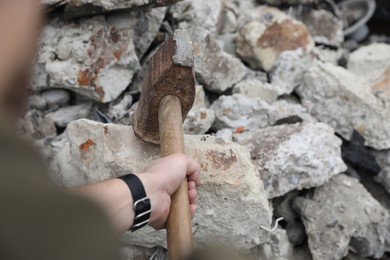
179 231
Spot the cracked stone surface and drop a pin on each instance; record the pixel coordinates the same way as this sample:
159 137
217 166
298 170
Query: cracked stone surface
241 112
289 157
342 214
383 159
200 118
260 42
95 152
345 101
215 69
95 57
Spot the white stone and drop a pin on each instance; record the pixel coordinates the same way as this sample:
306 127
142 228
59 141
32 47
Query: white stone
343 215
344 100
294 157
231 202
260 42
56 97
383 159
215 69
255 88
95 57
287 73
200 118
63 116
241 112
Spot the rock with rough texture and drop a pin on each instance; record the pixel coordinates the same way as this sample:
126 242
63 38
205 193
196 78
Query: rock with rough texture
63 116
56 97
120 109
96 152
324 27
373 63
383 159
200 118
260 42
277 247
343 100
240 113
81 8
255 88
342 214
94 57
205 14
215 69
287 73
290 157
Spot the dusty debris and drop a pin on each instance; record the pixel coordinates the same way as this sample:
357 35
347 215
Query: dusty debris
341 215
294 157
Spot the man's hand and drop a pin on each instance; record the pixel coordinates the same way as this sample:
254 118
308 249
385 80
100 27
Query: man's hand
162 178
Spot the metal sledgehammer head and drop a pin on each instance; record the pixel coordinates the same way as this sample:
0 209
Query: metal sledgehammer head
170 72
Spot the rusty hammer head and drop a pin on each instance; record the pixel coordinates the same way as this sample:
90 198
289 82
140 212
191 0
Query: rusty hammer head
170 72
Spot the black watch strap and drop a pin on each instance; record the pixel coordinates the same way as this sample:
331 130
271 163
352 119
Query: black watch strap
142 207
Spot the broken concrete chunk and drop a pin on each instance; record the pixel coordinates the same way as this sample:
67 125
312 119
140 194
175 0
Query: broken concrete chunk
205 14
343 100
200 118
96 152
215 69
120 109
324 27
287 73
260 42
290 157
94 57
255 88
56 97
239 111
81 8
342 214
284 112
383 159
373 63
63 116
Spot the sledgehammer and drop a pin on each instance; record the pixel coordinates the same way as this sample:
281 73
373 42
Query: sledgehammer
168 94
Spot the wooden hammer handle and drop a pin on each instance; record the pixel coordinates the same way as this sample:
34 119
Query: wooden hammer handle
179 232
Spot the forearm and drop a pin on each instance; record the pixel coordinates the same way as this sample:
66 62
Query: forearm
115 198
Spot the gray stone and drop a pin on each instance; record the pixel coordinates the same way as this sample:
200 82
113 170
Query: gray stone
373 63
287 73
200 118
56 97
284 112
63 116
95 152
294 157
36 126
80 8
255 88
260 42
328 55
324 27
37 102
239 111
344 100
119 110
137 253
383 159
242 112
205 14
215 69
342 214
94 57
276 248
226 134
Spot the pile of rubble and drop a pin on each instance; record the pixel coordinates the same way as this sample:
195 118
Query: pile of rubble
288 121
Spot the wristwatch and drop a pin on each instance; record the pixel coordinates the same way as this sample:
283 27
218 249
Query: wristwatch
142 207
